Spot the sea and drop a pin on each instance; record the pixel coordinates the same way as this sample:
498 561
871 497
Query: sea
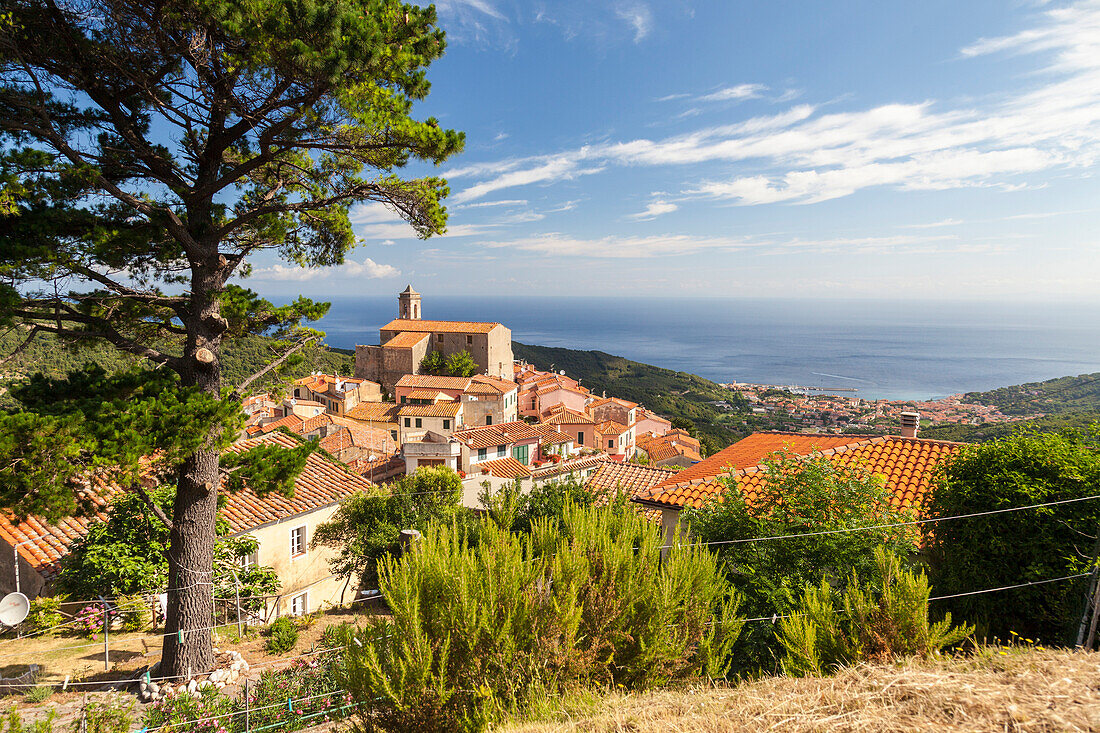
883 349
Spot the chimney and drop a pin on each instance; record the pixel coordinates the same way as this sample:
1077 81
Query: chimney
910 423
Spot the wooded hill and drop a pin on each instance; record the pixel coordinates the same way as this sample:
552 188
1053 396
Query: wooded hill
240 358
1054 396
666 392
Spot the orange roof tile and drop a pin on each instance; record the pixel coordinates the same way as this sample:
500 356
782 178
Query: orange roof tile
562 415
493 435
428 381
503 386
442 409
402 324
906 465
374 412
405 340
613 400
322 482
507 467
290 422
752 451
428 394
610 427
611 478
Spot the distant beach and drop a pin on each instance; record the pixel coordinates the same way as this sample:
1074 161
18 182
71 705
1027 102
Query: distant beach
884 349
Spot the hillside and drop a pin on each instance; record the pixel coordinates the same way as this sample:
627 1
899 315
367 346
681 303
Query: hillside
240 358
996 690
993 431
1054 396
666 392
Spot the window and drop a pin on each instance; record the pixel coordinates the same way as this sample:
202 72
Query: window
482 454
501 450
446 424
439 338
419 423
298 541
393 435
408 422
580 438
299 604
521 453
611 444
250 560
469 340
488 419
403 398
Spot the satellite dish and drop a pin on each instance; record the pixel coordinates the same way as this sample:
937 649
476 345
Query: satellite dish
14 607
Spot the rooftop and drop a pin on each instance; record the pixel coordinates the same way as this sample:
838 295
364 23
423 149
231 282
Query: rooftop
428 381
405 340
507 467
405 324
441 409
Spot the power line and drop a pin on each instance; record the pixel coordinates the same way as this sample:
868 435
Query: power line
847 530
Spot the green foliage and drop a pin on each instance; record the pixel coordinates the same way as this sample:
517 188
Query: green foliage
478 630
45 614
175 714
986 432
107 716
684 398
461 364
801 494
519 510
366 527
12 722
135 612
433 363
877 621
38 694
282 635
1017 547
126 554
310 677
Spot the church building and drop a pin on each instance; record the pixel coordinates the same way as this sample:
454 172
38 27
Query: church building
406 340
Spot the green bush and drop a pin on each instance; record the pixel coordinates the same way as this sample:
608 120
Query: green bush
1017 547
175 714
135 612
107 716
12 722
45 614
886 619
282 635
310 682
478 630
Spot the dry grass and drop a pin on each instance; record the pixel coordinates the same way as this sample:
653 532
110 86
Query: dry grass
996 690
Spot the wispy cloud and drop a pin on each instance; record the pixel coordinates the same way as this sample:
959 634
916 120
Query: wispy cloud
806 155
368 268
934 224
734 93
638 17
653 210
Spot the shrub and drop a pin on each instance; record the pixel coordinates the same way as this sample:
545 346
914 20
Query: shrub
887 619
308 682
135 612
175 714
89 621
12 722
45 614
802 494
107 717
1017 547
37 694
282 635
477 630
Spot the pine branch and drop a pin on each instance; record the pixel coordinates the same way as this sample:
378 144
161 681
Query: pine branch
286 355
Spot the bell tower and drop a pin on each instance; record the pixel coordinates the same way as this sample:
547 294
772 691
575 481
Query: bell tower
408 304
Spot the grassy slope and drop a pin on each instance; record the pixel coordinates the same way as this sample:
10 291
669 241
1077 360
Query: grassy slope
666 392
1023 689
241 358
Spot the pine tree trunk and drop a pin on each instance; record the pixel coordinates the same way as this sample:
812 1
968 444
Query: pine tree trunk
188 644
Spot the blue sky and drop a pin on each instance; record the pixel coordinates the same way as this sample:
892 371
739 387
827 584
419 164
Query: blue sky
934 150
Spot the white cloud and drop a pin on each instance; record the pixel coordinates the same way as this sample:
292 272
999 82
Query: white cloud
653 210
734 93
803 155
934 224
639 18
367 268
486 204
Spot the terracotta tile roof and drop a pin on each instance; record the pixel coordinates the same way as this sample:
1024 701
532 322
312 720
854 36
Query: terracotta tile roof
490 436
611 478
374 412
428 394
610 427
556 438
906 464
503 386
326 382
752 451
428 381
561 415
314 423
405 340
613 400
569 465
321 482
402 324
290 422
442 409
507 467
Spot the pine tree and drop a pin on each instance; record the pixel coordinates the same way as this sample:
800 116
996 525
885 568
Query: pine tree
149 149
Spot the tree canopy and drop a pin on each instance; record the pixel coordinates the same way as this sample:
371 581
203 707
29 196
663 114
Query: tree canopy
147 151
